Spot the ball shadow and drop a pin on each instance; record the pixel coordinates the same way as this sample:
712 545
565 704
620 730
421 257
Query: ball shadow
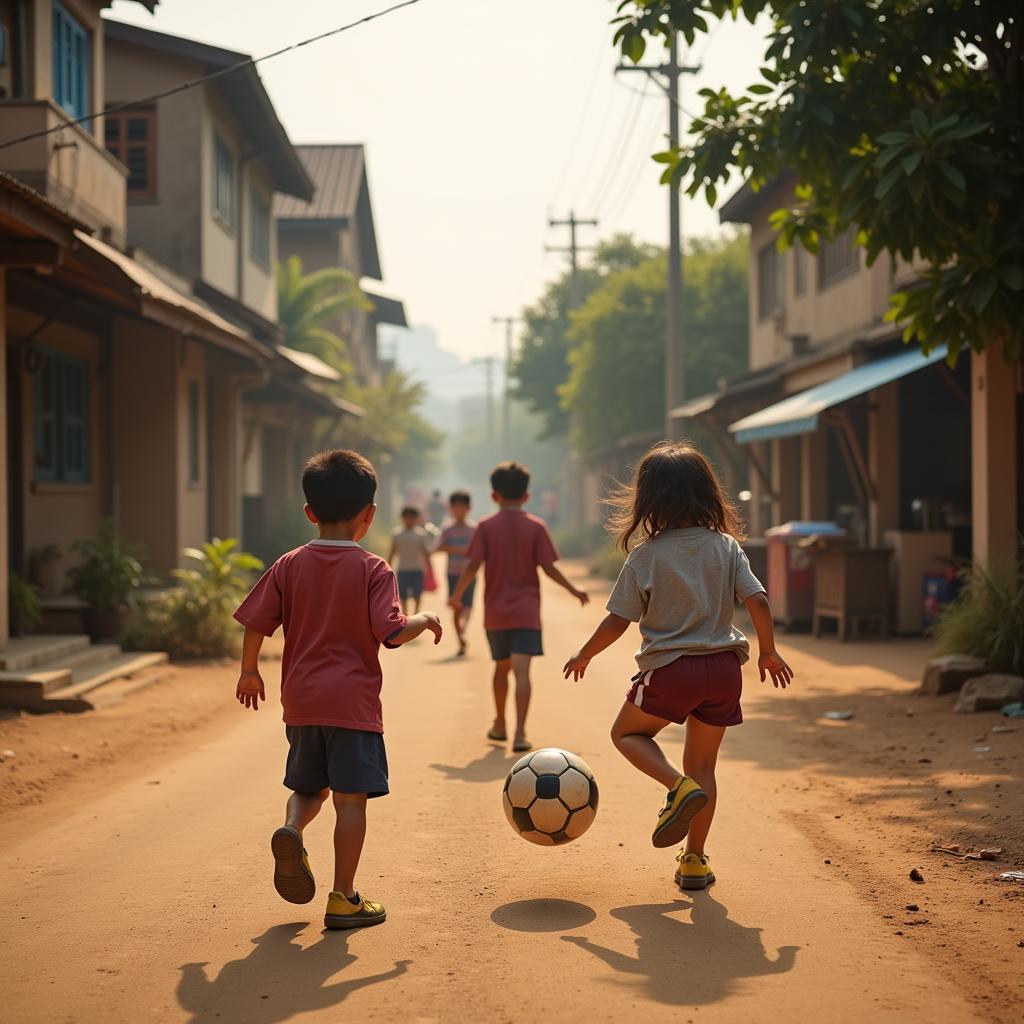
543 915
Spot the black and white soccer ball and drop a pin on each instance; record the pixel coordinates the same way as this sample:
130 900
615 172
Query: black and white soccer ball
550 797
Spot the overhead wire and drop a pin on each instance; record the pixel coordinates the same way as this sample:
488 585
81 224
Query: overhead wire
612 165
202 79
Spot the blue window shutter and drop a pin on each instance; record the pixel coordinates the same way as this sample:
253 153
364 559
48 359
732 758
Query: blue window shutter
70 62
75 421
45 419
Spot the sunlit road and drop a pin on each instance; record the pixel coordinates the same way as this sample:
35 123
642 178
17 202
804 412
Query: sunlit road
154 903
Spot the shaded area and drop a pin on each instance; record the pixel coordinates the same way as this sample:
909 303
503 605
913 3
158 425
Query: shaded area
277 980
693 962
543 915
490 767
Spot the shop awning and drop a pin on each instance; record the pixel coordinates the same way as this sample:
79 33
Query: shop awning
799 413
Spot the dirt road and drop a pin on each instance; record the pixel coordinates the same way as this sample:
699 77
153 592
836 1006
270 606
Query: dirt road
152 902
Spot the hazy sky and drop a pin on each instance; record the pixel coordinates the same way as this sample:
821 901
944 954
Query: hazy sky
480 117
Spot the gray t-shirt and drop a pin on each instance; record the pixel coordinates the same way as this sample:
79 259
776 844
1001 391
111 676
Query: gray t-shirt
411 546
682 588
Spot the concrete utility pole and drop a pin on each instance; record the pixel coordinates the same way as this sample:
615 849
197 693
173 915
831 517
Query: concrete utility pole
506 409
674 319
572 222
488 364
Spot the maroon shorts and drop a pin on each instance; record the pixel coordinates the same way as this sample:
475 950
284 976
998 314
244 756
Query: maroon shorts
706 686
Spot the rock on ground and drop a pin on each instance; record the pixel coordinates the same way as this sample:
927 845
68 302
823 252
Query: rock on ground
989 692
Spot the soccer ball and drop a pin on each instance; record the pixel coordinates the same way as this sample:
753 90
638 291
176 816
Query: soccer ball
550 797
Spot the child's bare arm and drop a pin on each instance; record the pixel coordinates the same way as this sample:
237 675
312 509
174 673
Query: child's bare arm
769 660
553 572
416 625
467 577
611 628
391 553
250 691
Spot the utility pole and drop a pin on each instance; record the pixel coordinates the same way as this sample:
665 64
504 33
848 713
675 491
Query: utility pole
506 409
488 363
572 222
674 319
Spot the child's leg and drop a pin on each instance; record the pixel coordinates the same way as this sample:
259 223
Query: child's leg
501 670
349 833
700 756
633 735
302 808
521 670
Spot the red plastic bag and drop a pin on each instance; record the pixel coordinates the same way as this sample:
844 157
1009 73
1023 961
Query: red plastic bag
429 579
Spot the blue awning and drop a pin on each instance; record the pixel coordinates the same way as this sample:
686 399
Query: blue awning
799 413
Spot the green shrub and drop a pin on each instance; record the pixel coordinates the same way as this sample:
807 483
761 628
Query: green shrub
109 573
607 563
987 618
194 619
25 610
580 543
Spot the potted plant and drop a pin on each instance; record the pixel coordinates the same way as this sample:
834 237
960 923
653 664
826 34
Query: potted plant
43 569
106 579
25 611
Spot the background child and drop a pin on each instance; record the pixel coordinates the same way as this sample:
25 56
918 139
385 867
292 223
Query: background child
455 538
411 543
338 604
681 583
511 543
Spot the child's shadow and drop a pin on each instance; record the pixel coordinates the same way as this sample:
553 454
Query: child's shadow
277 980
489 767
689 963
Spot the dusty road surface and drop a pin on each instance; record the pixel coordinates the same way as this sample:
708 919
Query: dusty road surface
148 896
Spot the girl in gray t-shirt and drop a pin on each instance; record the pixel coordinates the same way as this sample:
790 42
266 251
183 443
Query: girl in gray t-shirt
682 583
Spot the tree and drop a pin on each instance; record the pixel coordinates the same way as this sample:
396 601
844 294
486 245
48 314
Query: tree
617 358
901 118
541 366
309 306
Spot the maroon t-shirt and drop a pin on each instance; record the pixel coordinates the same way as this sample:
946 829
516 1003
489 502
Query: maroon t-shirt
338 604
511 544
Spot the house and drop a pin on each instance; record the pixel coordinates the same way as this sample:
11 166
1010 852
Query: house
336 229
839 420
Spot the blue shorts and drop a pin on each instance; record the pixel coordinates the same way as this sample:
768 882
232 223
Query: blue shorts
506 642
410 583
467 597
342 760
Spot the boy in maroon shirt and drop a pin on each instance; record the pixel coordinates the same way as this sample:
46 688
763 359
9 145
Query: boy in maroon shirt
338 604
511 543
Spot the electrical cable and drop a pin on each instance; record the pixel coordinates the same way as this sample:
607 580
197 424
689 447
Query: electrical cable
613 166
220 73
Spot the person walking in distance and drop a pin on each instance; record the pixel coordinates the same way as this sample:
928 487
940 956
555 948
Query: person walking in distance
455 539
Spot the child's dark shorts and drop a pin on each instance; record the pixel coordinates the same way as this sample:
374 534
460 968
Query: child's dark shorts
342 760
410 583
707 686
506 642
467 594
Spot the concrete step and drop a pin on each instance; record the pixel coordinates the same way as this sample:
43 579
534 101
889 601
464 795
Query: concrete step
24 653
80 695
83 665
116 690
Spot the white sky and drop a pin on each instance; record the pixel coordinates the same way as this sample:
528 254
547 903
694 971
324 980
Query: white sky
480 117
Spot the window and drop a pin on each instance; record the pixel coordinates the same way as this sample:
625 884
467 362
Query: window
223 181
769 281
259 232
837 258
193 431
70 63
799 270
130 135
61 414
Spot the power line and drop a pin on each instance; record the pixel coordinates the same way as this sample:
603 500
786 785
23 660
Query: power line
611 166
220 73
633 179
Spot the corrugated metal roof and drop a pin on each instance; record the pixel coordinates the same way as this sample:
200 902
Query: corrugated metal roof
310 363
338 173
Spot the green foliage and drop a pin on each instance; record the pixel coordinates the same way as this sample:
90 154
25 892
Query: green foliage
607 561
110 571
541 364
987 618
194 618
900 118
25 609
581 543
310 306
617 363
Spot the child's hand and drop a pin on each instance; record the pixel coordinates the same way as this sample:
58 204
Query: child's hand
434 625
250 690
582 596
455 604
772 663
576 666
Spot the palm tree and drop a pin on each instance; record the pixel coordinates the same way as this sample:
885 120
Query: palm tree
309 306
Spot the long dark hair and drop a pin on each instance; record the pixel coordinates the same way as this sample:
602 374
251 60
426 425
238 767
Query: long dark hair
674 484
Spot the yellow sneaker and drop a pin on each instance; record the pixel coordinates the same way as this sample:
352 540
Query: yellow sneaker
694 871
343 913
685 799
293 877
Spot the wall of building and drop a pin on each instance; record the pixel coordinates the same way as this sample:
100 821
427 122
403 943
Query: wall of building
259 279
193 500
4 567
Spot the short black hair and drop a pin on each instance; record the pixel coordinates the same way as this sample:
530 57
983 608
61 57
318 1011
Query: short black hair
460 498
511 480
338 485
410 510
